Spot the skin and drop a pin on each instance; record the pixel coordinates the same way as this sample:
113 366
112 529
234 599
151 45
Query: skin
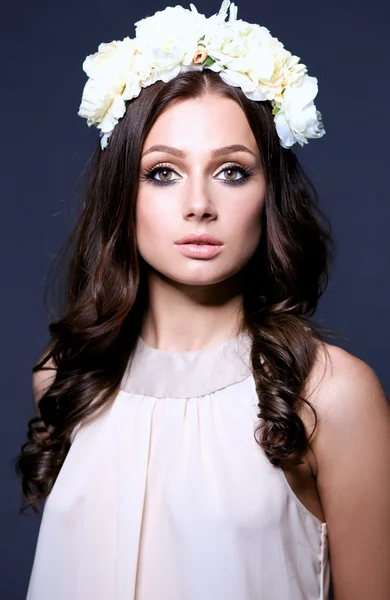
205 294
344 479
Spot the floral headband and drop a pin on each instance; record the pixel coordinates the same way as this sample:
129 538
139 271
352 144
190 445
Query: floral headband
177 39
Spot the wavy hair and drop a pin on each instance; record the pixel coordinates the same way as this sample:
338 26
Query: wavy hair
105 294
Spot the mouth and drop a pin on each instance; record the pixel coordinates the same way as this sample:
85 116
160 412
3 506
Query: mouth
200 247
199 240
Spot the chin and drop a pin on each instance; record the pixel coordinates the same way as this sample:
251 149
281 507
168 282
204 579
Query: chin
202 274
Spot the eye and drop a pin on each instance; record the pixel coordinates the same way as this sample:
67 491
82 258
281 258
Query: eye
234 169
163 171
165 175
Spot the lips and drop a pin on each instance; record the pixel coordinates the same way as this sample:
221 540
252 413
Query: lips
203 239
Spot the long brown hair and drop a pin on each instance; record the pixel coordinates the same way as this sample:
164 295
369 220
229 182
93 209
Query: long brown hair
93 335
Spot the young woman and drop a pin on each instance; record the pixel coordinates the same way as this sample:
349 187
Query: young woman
196 437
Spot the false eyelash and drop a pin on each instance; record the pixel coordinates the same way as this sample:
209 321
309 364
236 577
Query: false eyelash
149 174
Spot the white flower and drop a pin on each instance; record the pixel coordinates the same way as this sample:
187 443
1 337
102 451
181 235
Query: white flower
287 72
246 55
297 118
175 40
110 73
236 47
169 39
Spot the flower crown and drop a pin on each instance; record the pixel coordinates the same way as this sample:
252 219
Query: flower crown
177 39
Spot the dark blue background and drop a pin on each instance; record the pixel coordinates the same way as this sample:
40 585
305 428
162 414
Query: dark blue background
45 145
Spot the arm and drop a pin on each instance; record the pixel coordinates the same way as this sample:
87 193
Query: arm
352 449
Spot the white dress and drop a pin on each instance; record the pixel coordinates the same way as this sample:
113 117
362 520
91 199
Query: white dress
167 495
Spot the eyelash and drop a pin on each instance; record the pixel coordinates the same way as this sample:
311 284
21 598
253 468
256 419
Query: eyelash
149 174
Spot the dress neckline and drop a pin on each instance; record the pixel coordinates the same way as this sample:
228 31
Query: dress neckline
191 373
215 347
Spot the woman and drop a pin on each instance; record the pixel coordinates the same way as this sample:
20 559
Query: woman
197 438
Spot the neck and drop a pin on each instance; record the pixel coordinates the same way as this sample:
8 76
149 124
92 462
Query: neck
184 317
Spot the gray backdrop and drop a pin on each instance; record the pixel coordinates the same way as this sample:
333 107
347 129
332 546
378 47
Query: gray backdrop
45 145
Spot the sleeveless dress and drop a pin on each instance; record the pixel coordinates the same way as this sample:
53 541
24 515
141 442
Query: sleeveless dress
167 495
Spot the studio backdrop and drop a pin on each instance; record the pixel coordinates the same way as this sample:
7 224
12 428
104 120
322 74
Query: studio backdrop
45 146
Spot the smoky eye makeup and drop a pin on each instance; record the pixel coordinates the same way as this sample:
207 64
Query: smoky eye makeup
149 174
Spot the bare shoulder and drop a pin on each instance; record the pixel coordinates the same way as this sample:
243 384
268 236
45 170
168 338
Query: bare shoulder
341 386
351 445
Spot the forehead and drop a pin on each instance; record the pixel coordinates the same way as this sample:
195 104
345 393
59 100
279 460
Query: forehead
208 121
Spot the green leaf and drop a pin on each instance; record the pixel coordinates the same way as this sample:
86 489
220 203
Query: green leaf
208 62
275 110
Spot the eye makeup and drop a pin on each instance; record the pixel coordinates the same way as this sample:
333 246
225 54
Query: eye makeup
149 174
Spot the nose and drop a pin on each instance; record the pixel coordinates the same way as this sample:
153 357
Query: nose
198 204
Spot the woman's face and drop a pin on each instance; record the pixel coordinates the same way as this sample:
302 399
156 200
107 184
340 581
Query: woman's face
191 190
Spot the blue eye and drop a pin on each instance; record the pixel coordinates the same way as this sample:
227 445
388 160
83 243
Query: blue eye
150 174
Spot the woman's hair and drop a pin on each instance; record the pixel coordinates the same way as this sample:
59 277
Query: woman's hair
105 282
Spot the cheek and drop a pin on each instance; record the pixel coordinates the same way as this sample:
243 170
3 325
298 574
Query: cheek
247 224
154 224
150 216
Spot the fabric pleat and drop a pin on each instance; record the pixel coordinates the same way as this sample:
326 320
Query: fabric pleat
167 495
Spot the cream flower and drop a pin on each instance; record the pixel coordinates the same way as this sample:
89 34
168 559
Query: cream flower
286 72
235 47
169 38
110 72
177 39
297 118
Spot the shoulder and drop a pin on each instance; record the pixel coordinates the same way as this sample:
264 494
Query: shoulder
348 398
342 387
351 445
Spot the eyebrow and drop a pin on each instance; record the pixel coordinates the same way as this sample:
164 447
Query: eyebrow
215 153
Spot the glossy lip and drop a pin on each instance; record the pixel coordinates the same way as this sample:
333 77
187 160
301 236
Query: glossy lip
203 238
200 251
